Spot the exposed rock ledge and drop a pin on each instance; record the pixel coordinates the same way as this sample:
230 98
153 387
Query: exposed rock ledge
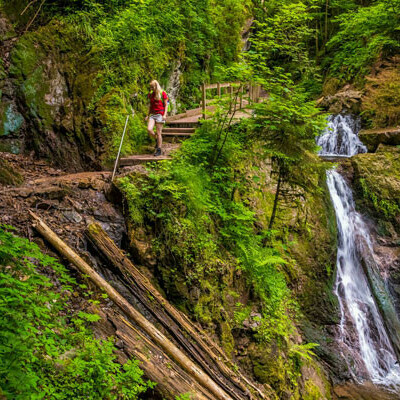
372 138
346 99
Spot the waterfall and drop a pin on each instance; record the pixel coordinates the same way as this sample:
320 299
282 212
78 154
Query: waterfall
362 332
340 137
363 339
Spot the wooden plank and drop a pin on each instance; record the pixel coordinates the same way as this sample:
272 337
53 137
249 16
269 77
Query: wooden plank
139 159
178 130
182 123
176 116
177 134
221 85
194 111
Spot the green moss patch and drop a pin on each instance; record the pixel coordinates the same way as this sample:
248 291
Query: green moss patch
377 181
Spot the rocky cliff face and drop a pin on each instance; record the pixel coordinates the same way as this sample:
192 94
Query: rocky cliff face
47 86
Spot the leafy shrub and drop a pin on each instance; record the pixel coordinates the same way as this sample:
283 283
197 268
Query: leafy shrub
363 37
46 350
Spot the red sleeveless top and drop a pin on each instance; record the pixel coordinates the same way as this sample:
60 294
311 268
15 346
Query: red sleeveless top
157 106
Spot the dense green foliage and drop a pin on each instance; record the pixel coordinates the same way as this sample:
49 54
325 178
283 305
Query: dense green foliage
117 48
46 349
342 39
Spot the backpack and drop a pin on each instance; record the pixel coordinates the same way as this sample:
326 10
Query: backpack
169 107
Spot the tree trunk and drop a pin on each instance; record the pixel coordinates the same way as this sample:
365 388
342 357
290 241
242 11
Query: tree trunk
276 199
159 339
186 335
326 20
171 379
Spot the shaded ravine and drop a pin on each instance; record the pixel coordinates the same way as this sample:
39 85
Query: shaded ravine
363 339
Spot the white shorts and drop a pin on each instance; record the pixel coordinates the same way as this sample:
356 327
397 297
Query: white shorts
158 118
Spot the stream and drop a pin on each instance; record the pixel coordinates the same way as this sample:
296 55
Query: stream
363 339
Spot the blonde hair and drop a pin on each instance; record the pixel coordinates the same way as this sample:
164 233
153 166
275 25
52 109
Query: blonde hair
158 90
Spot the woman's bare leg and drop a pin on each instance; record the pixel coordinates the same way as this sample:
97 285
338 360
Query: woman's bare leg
159 135
150 128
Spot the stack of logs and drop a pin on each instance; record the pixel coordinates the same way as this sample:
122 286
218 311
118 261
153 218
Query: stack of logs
178 355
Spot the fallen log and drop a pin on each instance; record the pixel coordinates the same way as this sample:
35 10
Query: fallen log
196 343
171 379
159 338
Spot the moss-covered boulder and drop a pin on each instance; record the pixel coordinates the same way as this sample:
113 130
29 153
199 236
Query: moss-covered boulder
377 182
9 175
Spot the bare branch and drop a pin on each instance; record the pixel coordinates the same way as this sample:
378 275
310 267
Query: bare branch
34 17
29 4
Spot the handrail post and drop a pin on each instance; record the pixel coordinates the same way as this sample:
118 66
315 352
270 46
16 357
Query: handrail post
241 96
204 100
120 147
219 89
250 90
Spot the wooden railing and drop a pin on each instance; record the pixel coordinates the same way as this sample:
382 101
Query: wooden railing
247 90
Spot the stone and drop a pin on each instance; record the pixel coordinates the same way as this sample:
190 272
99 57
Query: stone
73 216
373 138
346 99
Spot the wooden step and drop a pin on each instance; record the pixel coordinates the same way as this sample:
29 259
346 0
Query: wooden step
142 158
182 124
178 131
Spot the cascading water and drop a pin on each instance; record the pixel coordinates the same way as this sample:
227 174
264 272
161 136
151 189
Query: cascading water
359 312
340 137
363 338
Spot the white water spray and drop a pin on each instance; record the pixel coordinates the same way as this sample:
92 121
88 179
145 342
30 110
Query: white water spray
363 338
359 311
340 137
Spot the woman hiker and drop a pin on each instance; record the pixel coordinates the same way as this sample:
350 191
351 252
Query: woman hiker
157 113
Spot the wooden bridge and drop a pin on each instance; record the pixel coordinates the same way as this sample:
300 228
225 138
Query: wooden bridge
181 126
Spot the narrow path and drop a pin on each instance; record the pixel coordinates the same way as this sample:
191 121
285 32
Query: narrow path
174 132
178 128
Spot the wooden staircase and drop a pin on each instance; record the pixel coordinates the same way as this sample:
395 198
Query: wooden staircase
174 132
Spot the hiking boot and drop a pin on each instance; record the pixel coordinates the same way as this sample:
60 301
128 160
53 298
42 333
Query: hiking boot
158 152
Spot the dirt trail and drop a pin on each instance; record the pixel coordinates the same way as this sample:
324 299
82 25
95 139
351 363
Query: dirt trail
65 201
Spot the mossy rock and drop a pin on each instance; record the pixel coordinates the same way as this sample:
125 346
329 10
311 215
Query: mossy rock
373 138
12 120
377 182
8 175
269 366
